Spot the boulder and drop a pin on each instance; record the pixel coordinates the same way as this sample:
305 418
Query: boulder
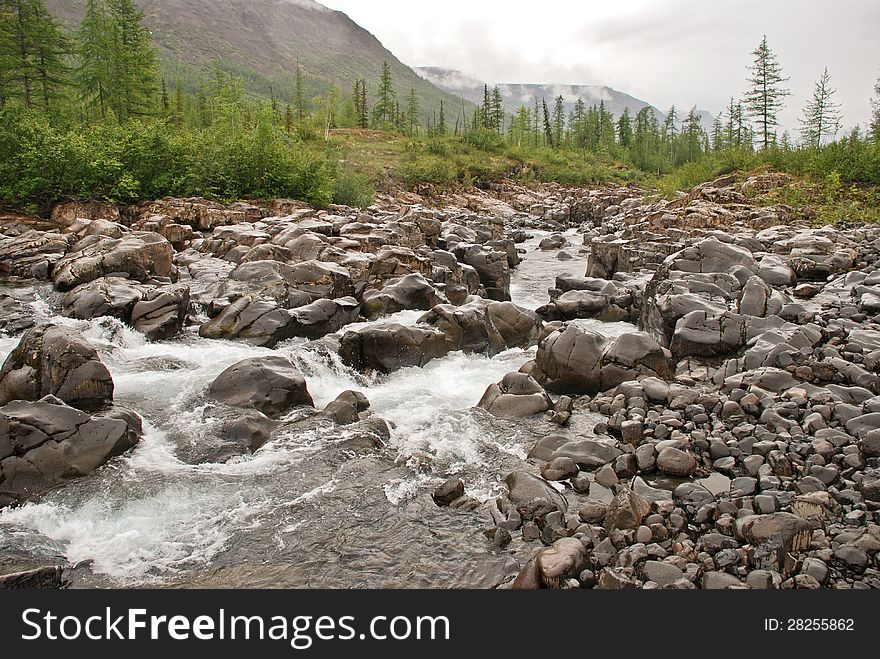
269 384
404 293
55 360
517 395
139 255
524 487
45 442
386 348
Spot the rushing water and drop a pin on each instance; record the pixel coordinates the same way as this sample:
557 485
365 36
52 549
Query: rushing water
316 508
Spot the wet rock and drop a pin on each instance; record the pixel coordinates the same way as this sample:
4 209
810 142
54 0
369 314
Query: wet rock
517 395
140 255
448 492
564 559
386 348
409 292
347 407
15 315
627 510
105 296
55 360
33 253
675 462
269 384
559 469
524 487
482 326
774 536
593 512
48 577
322 317
616 579
250 319
579 361
43 443
714 580
162 312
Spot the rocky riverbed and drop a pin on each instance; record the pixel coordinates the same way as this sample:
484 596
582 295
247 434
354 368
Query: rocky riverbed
511 388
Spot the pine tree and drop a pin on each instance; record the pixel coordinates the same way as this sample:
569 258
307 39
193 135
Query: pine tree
413 113
497 110
299 94
33 52
166 103
486 109
765 98
692 137
117 71
179 105
717 135
558 121
441 123
536 122
821 114
385 113
578 128
548 127
624 129
288 119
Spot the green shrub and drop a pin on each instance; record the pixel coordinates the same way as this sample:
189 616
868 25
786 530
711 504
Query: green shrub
353 189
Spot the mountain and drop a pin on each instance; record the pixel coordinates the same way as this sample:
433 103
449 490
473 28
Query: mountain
262 41
515 95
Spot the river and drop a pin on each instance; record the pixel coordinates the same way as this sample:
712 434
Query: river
308 509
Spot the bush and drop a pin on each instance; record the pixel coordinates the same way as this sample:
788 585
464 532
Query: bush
353 189
41 164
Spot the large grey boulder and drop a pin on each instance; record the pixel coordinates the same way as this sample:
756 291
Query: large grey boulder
45 442
517 395
140 255
409 292
56 360
269 384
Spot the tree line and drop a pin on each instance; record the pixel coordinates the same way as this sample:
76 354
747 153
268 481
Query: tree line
103 81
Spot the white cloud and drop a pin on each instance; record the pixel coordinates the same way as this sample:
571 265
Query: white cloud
687 52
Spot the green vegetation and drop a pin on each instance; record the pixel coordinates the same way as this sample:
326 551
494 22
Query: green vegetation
87 115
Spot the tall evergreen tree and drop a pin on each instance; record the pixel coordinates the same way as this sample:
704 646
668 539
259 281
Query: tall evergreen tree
385 113
624 129
33 52
821 114
766 96
413 113
117 70
441 122
497 110
299 93
558 121
548 127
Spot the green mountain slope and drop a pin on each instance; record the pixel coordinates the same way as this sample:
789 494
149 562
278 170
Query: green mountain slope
262 41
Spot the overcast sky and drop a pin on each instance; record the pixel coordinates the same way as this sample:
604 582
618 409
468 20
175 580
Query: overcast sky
687 52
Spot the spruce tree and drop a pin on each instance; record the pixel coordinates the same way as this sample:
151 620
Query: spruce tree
624 129
299 94
548 127
385 113
441 123
33 51
413 113
497 110
117 70
765 98
558 121
821 114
